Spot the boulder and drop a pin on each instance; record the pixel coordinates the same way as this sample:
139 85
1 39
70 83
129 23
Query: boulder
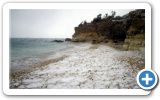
68 39
57 41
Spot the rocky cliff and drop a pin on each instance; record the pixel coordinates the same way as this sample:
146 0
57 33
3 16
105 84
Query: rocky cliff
128 29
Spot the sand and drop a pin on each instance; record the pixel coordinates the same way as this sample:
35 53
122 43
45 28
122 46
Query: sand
85 66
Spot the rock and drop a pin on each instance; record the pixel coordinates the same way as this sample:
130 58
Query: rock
94 42
68 39
74 40
125 47
57 41
78 40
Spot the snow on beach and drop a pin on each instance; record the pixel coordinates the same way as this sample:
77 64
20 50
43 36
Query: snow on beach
85 66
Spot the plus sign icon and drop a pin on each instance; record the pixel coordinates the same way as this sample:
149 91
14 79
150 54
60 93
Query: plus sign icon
147 79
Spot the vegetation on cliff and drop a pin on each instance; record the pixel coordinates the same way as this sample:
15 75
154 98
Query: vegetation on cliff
128 29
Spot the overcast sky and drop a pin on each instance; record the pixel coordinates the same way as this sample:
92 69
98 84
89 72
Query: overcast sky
51 23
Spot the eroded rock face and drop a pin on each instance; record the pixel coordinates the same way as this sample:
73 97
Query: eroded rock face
135 37
117 29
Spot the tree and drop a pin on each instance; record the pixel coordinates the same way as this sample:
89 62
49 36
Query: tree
117 18
113 13
98 18
84 22
106 16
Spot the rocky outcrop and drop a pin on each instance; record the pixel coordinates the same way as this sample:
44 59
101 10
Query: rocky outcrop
57 41
135 37
68 39
128 29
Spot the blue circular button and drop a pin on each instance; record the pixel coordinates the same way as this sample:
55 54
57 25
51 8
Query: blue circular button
147 79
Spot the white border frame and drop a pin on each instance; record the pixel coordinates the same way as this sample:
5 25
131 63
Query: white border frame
6 16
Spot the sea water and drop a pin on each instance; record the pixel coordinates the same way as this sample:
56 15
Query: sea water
28 51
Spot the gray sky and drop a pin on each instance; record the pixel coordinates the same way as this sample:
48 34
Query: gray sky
53 23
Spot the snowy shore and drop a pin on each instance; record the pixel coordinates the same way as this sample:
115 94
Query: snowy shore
85 66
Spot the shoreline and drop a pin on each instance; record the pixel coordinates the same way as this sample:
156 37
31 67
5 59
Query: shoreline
84 66
40 65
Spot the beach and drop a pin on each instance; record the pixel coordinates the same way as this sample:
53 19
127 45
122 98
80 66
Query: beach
84 66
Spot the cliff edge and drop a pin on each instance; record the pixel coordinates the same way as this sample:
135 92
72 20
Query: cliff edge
129 30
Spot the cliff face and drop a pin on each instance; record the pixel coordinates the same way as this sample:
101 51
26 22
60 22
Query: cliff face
128 29
135 37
